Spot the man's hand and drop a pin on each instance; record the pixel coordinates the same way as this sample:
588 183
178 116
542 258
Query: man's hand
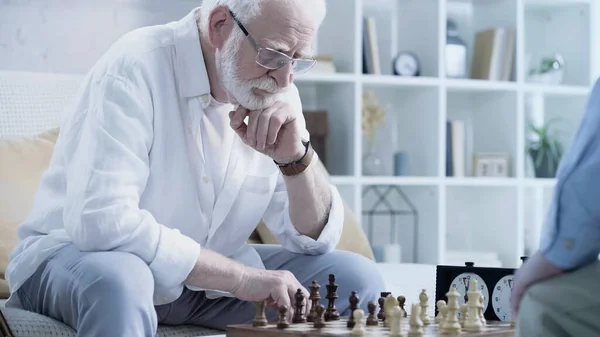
272 131
534 270
277 287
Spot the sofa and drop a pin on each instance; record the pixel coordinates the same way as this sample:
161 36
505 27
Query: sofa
31 107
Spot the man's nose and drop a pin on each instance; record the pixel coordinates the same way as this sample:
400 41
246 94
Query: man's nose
283 76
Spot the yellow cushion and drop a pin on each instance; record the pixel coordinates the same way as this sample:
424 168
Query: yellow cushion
22 163
353 238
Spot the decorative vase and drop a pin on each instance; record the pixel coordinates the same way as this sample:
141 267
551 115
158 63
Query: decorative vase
372 164
547 167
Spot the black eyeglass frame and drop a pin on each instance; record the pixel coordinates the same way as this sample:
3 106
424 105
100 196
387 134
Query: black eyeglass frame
312 61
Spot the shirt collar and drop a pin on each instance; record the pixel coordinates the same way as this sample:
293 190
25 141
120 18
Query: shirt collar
190 67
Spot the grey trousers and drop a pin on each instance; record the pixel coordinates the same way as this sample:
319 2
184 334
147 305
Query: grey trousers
110 293
564 306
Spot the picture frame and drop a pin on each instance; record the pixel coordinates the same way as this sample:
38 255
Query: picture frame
491 165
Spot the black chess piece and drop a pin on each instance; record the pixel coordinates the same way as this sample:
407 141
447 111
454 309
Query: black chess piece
319 319
401 302
283 320
314 297
332 314
381 314
353 306
299 312
372 319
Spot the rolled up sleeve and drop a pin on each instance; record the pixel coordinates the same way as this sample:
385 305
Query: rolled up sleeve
571 236
107 161
277 219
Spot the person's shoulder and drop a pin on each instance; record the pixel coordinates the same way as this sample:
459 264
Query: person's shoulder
137 53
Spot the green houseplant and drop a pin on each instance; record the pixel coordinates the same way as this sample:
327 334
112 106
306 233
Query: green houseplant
545 149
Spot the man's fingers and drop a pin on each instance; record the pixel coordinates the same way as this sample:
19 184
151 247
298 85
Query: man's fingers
236 122
262 128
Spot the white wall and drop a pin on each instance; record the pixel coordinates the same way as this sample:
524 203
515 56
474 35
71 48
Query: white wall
70 35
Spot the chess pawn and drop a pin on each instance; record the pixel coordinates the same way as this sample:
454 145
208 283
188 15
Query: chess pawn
319 319
372 319
353 306
283 320
481 309
299 312
441 304
463 314
424 299
401 303
358 327
416 324
395 318
451 325
381 313
314 298
261 318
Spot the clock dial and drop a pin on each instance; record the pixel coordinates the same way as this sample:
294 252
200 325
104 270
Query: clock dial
461 284
501 298
406 64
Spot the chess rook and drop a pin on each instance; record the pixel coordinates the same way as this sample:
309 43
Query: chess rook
416 324
261 318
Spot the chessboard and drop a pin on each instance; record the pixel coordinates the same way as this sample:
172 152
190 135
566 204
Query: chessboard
339 329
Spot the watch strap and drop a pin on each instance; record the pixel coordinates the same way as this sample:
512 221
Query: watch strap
300 165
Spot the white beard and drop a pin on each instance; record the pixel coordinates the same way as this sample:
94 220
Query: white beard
241 91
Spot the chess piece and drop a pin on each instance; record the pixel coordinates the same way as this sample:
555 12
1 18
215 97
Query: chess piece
463 314
353 306
372 319
424 302
358 328
331 314
314 297
283 320
260 319
401 301
319 318
416 324
381 314
299 312
441 304
472 322
481 311
451 325
395 319
389 303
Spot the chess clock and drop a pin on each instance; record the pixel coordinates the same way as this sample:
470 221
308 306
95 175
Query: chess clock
494 283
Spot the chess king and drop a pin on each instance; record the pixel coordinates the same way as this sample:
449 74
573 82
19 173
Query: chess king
183 137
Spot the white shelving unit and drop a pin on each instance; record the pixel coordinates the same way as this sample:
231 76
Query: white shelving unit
501 215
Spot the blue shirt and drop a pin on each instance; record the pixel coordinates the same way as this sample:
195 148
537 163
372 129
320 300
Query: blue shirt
571 236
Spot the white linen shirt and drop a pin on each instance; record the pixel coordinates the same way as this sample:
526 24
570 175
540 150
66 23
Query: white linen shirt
134 169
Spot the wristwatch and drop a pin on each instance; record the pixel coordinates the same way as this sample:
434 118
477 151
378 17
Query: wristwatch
300 165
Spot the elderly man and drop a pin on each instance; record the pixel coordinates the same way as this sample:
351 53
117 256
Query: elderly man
183 137
556 290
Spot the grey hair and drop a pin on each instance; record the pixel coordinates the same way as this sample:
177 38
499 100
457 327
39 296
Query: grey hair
246 10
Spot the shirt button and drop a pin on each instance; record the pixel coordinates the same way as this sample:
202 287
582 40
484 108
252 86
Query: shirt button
205 179
205 98
568 244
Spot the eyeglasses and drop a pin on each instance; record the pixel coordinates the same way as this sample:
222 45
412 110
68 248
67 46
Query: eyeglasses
273 59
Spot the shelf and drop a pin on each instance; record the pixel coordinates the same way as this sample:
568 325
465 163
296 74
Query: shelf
393 80
343 180
325 78
400 181
481 182
456 85
565 90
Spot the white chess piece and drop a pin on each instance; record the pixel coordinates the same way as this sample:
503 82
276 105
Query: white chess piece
390 302
473 319
463 314
396 317
481 315
359 326
424 302
451 324
441 304
416 325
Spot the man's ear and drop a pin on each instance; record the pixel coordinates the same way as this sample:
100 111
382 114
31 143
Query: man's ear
220 24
